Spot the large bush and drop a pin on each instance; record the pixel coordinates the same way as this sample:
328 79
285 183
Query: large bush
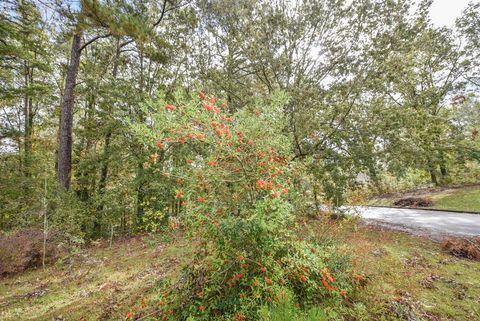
234 177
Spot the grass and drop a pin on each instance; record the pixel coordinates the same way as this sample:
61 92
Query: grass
467 199
408 270
98 284
461 199
404 278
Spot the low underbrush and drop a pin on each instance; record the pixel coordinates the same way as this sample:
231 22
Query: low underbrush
25 250
469 249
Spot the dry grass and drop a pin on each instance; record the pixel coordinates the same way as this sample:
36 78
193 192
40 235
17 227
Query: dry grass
469 249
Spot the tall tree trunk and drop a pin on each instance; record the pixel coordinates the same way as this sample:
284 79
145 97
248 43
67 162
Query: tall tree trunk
139 175
83 174
27 105
104 170
66 116
61 88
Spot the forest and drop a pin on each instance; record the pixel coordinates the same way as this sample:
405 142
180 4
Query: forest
229 125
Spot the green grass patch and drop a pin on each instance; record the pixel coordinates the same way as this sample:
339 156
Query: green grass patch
467 199
460 199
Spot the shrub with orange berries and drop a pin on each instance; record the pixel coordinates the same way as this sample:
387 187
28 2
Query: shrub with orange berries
242 220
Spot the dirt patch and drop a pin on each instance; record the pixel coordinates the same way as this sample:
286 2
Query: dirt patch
413 202
469 249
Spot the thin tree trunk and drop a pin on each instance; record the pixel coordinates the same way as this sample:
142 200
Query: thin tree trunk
139 175
139 203
106 147
433 177
45 223
26 114
82 172
315 198
66 116
433 174
104 170
443 166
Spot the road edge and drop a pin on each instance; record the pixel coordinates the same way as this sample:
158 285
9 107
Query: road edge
425 209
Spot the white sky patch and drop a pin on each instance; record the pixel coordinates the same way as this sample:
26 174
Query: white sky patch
444 12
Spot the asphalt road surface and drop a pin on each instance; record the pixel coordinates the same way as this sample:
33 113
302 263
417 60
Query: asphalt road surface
435 224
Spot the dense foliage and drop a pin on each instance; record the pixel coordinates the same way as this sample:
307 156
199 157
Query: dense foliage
380 99
109 125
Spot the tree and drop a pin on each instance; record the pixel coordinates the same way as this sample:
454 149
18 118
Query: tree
106 21
469 27
418 77
25 70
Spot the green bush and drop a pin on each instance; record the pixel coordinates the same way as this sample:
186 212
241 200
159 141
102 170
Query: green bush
234 180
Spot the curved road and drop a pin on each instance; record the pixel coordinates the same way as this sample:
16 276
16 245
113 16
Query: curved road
436 224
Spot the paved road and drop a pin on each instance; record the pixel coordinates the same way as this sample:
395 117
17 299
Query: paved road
436 224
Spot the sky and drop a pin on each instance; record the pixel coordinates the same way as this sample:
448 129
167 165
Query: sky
444 12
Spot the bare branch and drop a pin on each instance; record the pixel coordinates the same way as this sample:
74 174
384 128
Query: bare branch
93 40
